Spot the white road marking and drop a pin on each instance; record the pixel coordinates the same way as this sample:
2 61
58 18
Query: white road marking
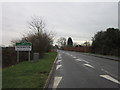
58 61
68 54
59 54
56 81
88 65
85 61
60 57
78 59
110 78
58 66
74 57
104 70
108 73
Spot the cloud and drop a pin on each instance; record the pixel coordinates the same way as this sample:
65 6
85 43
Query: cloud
78 20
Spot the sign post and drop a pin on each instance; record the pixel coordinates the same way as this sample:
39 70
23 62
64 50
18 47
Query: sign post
23 46
28 55
17 56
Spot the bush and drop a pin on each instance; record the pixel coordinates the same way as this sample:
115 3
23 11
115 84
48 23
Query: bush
9 56
107 42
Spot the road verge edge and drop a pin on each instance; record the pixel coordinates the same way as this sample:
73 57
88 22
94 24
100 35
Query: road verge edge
51 73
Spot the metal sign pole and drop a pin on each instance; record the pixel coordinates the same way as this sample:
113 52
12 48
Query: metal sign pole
28 55
17 56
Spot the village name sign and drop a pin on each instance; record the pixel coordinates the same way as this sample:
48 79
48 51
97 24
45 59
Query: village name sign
23 46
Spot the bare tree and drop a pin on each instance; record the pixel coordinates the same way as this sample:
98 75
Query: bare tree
86 43
38 35
61 42
41 39
14 41
36 24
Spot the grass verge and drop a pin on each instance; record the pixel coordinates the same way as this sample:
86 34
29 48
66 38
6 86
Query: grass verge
28 74
0 78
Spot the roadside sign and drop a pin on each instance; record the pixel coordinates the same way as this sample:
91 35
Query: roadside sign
23 46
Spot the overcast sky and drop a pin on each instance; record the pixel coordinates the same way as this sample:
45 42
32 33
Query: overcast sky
77 20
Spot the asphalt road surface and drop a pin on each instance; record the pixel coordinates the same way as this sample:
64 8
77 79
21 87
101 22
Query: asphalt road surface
77 70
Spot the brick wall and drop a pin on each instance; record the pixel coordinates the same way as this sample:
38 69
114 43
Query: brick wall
78 49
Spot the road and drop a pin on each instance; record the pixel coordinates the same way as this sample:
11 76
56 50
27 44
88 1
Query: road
77 70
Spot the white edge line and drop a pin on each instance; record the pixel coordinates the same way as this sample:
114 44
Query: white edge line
58 61
56 81
58 66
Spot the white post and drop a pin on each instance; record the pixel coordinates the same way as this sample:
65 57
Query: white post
17 56
28 55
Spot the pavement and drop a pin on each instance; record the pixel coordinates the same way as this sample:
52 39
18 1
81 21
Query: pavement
78 70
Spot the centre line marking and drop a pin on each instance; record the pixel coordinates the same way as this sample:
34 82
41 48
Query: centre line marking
78 59
74 57
85 61
58 66
108 73
88 65
56 81
110 78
